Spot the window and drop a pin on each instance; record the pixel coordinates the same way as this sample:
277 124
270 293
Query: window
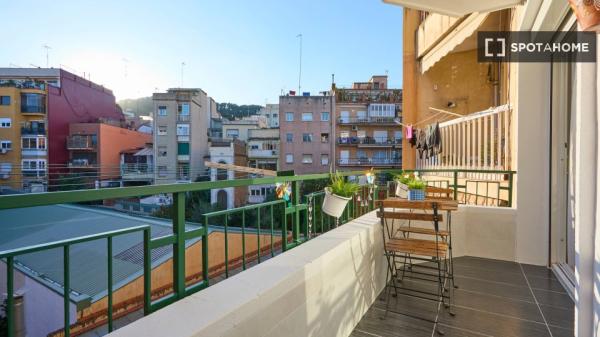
361 134
380 136
289 158
275 116
307 159
33 103
307 117
162 110
345 117
254 147
162 151
307 137
33 164
361 116
289 137
183 109
183 148
162 130
398 135
289 116
33 143
5 122
324 138
232 133
324 159
162 171
325 116
5 145
5 168
183 129
4 100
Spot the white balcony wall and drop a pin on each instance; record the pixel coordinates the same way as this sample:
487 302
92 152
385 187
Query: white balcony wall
321 288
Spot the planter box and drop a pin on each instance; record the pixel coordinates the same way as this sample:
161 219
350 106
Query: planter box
334 205
414 195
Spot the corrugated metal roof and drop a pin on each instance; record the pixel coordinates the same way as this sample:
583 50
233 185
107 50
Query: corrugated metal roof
36 225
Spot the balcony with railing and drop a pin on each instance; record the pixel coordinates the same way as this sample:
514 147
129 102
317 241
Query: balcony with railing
365 161
279 268
260 153
137 171
367 96
183 118
370 141
83 163
369 120
82 142
33 130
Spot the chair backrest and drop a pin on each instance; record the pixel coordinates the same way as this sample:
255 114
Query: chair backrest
402 214
440 193
441 205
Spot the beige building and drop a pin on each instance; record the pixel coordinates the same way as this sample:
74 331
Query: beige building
181 122
240 129
271 114
368 132
305 132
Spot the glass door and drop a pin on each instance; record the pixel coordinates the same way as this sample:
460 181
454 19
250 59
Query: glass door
561 198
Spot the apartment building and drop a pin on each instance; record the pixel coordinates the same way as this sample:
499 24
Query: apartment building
95 152
271 114
368 131
263 153
37 107
305 132
240 128
23 134
181 123
228 151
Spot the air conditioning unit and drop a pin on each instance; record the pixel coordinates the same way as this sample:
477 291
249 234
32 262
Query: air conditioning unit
354 127
4 151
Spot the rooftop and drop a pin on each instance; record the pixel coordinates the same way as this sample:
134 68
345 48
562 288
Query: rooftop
24 227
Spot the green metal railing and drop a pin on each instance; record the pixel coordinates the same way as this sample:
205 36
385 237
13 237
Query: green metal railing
9 257
295 222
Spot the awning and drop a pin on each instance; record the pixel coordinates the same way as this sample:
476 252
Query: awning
464 30
144 152
456 7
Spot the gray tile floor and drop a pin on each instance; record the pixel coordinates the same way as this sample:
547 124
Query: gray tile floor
494 298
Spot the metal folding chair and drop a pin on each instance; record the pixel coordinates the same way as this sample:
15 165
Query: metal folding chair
433 254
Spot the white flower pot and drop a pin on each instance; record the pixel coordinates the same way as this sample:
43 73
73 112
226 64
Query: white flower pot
401 190
334 205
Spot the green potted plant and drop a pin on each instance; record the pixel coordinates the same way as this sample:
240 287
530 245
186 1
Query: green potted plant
416 189
337 194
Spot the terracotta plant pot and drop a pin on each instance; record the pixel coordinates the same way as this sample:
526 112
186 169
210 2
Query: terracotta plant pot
588 14
334 205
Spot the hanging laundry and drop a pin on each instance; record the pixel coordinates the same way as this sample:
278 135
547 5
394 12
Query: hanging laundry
422 143
409 131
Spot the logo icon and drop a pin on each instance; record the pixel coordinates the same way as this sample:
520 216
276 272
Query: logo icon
497 44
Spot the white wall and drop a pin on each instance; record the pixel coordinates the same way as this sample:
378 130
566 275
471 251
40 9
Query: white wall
532 180
321 288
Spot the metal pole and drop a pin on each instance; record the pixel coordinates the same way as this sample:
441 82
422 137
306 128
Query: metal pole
300 65
182 65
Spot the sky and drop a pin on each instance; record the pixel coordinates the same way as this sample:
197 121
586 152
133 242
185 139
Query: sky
239 51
